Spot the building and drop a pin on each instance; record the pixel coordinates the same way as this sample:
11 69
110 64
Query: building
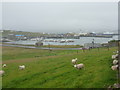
39 43
83 34
20 37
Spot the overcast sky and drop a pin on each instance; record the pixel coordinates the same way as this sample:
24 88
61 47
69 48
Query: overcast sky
60 17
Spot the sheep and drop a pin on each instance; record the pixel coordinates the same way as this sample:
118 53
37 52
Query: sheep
79 66
2 72
74 61
115 56
4 65
115 62
115 67
22 67
116 85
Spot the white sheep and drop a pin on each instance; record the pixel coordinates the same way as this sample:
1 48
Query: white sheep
2 72
74 61
116 85
115 67
22 67
114 56
79 66
4 65
115 62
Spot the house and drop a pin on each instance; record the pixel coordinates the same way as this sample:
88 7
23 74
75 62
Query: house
39 43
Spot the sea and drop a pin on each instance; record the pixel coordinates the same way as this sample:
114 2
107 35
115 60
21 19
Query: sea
80 41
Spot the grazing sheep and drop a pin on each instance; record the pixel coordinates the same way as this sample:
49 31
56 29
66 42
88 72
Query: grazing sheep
115 62
4 65
115 67
115 56
74 61
2 72
79 66
22 67
116 85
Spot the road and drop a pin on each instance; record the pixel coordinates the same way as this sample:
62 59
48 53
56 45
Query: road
41 47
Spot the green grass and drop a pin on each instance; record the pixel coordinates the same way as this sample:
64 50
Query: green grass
11 53
56 71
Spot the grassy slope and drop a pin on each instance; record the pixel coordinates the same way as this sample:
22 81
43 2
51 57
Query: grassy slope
62 46
57 71
11 53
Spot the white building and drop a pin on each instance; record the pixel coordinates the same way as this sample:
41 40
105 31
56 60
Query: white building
82 33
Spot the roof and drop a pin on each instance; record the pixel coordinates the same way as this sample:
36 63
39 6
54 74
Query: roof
19 35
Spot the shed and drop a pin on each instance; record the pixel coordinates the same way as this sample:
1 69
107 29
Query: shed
39 43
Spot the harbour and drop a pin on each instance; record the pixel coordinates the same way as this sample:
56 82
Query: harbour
80 41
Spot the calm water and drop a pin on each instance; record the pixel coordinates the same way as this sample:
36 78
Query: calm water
80 41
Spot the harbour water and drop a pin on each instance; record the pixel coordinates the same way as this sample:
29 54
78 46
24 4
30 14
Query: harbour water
80 41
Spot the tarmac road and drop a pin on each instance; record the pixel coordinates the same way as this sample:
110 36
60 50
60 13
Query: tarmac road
41 47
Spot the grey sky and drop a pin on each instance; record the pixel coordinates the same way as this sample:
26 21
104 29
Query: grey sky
60 17
0 15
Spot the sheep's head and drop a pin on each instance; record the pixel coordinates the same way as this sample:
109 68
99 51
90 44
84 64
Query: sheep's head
75 65
4 65
75 58
115 67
